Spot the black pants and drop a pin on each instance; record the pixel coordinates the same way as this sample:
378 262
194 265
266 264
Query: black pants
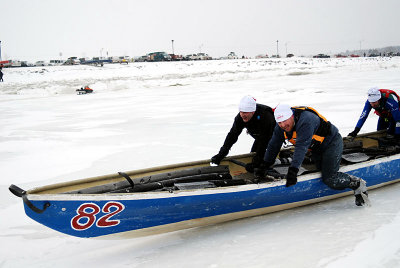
328 161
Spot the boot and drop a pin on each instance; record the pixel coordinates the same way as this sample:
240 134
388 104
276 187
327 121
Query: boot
360 190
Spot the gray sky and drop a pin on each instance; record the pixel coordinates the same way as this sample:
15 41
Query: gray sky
41 30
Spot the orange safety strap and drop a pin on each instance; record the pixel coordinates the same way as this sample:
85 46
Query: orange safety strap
292 140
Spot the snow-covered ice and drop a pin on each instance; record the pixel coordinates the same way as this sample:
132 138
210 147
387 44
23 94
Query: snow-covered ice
150 114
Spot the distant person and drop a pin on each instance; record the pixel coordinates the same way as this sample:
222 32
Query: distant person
84 90
87 89
259 121
307 130
386 105
1 73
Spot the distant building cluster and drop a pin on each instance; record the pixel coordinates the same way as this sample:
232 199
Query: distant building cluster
163 56
100 61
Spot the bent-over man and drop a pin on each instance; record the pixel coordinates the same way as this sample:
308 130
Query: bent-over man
259 121
307 130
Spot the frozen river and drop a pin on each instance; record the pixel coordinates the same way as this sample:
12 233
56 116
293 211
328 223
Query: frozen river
151 114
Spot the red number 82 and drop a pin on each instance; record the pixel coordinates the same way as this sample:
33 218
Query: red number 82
86 215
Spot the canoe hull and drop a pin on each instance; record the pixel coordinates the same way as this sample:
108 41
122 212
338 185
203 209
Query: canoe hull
132 215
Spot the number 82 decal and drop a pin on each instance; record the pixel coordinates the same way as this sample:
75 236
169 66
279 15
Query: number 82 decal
86 215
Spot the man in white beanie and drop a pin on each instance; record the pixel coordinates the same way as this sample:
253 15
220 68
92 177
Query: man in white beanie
259 121
385 102
307 130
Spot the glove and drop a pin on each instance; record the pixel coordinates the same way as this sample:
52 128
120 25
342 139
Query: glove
216 159
354 132
291 176
262 169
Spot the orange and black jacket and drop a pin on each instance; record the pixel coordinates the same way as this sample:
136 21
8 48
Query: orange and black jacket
310 132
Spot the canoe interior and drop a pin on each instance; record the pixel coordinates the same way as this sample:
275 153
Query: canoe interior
367 142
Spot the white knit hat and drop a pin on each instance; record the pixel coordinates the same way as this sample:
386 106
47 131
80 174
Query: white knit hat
282 112
374 94
247 104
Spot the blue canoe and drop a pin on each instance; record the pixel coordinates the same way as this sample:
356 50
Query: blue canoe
123 204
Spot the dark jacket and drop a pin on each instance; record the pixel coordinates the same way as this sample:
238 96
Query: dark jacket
260 127
306 126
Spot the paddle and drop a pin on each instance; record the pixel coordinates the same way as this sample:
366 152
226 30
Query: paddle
355 157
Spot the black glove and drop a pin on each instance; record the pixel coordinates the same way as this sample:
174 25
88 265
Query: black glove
273 173
216 159
291 176
262 168
354 132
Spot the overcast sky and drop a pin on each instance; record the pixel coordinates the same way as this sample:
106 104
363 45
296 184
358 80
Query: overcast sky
42 29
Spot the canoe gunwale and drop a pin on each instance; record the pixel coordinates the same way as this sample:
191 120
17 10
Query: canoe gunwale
115 177
217 190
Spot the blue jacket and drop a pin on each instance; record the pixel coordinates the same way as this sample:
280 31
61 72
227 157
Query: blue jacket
306 126
389 105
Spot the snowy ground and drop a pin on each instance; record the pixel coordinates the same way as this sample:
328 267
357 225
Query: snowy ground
148 114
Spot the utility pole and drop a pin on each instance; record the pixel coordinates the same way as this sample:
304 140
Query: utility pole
277 48
360 47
